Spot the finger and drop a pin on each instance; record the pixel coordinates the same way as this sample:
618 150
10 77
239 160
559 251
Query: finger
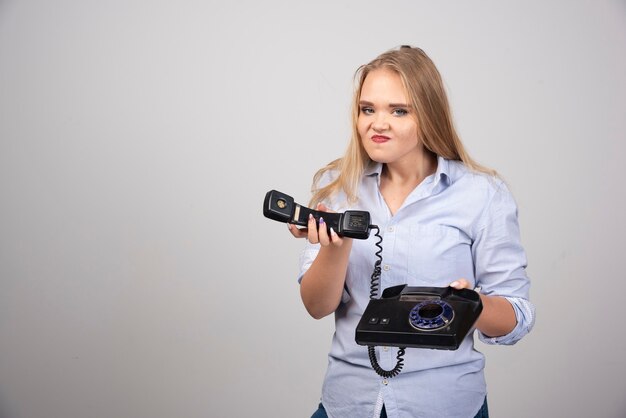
312 233
460 284
335 239
323 208
297 232
322 233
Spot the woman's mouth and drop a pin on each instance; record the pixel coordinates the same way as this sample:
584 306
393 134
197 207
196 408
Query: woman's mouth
379 139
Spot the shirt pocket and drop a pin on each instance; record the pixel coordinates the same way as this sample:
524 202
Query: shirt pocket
438 254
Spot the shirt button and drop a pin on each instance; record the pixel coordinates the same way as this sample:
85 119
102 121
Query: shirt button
385 381
385 348
386 267
390 229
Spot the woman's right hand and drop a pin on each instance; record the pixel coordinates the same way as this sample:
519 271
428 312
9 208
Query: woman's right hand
322 284
317 235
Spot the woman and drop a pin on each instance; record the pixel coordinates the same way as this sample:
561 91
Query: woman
445 221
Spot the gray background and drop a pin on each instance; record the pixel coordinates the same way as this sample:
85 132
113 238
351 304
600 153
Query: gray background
138 277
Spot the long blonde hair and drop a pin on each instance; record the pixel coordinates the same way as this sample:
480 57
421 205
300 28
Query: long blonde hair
426 93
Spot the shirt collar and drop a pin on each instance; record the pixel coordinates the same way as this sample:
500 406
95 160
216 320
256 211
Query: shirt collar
442 174
373 169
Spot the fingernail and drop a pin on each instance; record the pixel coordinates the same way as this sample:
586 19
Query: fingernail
310 216
454 284
332 232
321 220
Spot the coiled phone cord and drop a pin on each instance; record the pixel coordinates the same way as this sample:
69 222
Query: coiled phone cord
374 286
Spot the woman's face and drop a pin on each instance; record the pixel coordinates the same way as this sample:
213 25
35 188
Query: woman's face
386 122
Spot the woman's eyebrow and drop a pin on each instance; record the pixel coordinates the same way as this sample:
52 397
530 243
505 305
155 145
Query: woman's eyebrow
399 105
366 103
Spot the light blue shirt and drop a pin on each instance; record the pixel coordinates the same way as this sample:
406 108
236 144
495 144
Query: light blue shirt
455 224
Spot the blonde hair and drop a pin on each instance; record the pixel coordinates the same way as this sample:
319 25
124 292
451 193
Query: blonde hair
426 94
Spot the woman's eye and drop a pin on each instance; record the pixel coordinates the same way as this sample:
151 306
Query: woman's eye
367 110
400 112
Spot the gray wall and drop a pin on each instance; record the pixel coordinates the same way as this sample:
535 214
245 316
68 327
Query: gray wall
138 277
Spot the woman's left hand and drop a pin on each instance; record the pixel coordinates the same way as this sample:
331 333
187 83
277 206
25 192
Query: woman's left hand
497 317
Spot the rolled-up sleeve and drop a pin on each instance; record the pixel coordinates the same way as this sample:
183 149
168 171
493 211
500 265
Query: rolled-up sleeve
500 263
307 257
525 315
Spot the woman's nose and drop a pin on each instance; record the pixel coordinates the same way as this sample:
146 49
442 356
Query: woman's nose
380 123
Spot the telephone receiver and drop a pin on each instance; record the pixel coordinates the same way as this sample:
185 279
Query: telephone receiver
282 208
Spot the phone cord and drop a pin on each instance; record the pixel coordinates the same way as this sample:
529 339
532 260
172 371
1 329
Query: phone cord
374 283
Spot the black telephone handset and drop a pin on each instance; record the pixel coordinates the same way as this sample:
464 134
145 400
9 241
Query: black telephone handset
282 208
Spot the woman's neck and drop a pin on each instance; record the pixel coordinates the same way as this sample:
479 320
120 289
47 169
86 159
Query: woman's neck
399 179
410 172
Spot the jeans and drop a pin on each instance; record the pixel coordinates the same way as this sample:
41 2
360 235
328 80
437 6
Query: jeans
321 412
